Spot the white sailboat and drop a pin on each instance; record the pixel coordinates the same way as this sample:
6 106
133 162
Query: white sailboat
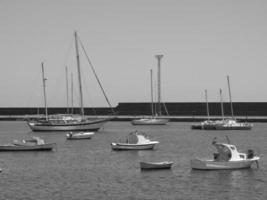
155 118
207 124
69 122
232 123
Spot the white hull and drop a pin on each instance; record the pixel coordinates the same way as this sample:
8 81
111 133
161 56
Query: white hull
155 165
150 121
42 147
125 146
78 136
217 165
85 126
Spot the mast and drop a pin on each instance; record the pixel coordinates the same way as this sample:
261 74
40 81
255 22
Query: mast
207 104
44 79
71 93
159 57
67 90
79 74
230 96
221 104
151 83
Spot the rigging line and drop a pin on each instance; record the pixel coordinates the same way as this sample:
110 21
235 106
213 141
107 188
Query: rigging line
90 99
93 69
165 108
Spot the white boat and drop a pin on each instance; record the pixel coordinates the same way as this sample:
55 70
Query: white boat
134 141
80 135
232 124
34 144
207 124
156 165
69 123
227 157
155 118
150 121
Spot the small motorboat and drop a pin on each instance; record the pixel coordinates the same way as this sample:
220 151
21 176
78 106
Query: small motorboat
34 144
155 165
227 157
135 141
79 136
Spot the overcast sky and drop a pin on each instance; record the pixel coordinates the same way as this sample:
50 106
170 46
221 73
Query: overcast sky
202 41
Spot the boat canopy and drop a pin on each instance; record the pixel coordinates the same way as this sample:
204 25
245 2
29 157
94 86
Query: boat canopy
227 152
137 138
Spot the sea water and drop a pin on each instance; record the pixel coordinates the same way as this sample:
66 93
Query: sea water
89 169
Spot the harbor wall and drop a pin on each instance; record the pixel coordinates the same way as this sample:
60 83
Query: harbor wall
142 108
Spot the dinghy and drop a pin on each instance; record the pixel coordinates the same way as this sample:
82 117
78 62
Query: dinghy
34 144
227 157
155 165
135 141
79 136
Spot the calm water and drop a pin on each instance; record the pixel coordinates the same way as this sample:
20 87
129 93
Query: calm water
89 169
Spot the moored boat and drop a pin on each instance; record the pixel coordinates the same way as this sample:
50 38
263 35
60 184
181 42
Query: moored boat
134 141
79 136
150 121
67 125
34 144
68 122
232 124
156 165
227 157
155 118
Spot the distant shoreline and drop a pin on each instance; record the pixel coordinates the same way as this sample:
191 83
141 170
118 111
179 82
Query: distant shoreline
131 117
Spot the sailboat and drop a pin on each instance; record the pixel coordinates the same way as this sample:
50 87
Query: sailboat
232 123
68 122
207 124
154 119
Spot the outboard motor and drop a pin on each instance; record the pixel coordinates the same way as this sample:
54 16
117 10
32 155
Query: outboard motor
250 154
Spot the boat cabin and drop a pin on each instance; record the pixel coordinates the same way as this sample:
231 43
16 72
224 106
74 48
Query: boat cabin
228 152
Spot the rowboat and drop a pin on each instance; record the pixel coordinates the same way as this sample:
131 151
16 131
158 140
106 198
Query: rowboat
80 135
134 141
155 165
34 144
227 157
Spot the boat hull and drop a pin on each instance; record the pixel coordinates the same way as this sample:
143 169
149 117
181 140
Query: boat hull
233 127
121 146
44 147
79 136
215 165
86 126
153 165
150 122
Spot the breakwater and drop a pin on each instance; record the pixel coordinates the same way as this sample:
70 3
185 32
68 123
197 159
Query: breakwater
182 111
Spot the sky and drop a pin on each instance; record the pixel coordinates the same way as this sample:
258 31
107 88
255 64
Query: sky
202 41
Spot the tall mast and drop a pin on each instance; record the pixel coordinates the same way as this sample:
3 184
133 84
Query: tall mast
158 57
230 96
151 84
67 90
44 79
221 103
71 93
79 74
207 104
